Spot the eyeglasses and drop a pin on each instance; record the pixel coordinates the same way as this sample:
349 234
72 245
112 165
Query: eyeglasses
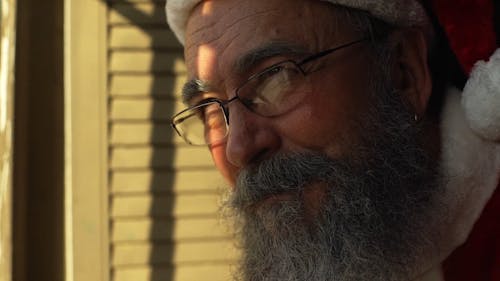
271 92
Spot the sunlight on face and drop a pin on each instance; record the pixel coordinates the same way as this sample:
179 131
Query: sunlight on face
206 61
207 8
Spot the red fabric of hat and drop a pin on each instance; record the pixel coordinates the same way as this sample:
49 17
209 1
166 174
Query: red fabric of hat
479 258
470 30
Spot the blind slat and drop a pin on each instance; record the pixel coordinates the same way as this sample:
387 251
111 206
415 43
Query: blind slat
193 272
147 85
139 254
151 157
165 206
177 182
144 109
137 13
145 37
124 230
143 133
146 62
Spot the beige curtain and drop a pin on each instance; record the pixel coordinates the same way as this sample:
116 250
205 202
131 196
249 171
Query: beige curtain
7 49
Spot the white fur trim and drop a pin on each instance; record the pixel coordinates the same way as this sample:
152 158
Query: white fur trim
481 98
471 166
399 12
178 12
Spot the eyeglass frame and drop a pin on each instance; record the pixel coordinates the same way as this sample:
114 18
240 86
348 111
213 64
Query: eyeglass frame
224 104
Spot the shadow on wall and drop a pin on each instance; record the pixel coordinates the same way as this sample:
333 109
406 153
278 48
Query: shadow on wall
144 66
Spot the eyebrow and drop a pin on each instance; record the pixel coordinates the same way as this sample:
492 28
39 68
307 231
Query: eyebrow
195 87
267 51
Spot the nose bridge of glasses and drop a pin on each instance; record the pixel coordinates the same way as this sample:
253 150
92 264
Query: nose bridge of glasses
225 106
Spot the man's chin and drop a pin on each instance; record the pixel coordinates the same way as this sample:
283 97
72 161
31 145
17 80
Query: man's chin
311 196
308 202
346 223
270 201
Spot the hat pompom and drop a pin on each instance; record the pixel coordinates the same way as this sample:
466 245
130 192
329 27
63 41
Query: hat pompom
481 98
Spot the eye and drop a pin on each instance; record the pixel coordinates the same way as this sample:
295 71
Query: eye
277 79
274 70
266 92
267 77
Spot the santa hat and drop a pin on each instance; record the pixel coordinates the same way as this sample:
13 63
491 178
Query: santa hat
469 26
470 29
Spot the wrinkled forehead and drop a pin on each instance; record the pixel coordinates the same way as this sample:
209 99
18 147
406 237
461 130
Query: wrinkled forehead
408 13
212 20
219 32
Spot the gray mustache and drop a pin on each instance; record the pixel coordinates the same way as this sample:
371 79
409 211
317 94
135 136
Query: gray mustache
282 174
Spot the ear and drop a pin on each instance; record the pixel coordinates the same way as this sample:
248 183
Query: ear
412 72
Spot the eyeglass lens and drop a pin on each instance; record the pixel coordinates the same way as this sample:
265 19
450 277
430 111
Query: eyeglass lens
270 93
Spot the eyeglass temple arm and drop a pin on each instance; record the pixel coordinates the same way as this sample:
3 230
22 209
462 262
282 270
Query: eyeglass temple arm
329 51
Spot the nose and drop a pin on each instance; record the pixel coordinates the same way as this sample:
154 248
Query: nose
251 137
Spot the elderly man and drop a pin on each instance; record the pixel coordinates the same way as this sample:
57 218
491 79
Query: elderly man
341 127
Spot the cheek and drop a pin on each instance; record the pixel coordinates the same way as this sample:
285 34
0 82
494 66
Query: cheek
323 128
326 122
228 171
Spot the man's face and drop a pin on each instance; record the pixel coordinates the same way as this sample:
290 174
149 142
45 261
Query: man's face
220 33
338 188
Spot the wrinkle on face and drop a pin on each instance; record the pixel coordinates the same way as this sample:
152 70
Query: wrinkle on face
208 45
270 50
209 21
256 14
229 26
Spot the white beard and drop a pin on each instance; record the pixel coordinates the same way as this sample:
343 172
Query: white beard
282 245
376 222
